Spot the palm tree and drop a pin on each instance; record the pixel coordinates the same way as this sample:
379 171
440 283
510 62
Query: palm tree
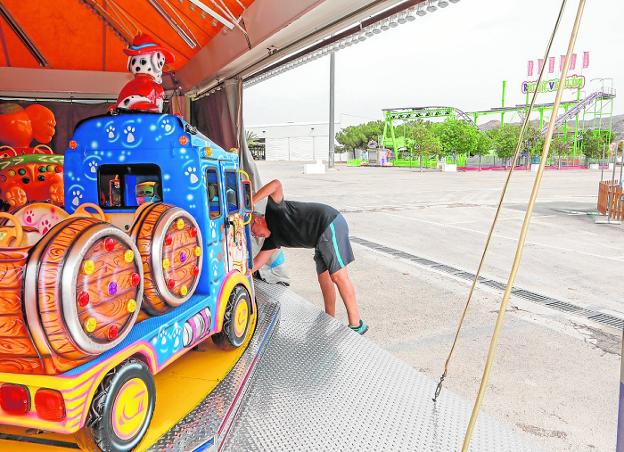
251 138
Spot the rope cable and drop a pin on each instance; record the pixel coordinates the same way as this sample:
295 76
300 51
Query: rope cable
523 232
500 203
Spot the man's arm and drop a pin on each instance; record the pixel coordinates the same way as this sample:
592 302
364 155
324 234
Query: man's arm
273 189
262 258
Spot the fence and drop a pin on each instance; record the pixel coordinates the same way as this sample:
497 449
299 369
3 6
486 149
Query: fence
258 151
610 199
524 162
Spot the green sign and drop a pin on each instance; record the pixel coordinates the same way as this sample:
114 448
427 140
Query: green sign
548 86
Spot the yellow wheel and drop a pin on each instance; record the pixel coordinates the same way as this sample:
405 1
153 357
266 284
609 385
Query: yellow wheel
123 407
235 320
241 319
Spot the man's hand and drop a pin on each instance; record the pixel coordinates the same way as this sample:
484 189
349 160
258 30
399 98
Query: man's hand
261 259
273 189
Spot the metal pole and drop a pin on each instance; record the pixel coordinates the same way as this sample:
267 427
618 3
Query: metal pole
502 123
332 70
621 162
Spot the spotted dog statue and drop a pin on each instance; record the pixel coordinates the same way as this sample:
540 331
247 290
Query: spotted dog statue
146 60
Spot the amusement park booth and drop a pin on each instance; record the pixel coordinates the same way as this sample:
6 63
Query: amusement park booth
130 318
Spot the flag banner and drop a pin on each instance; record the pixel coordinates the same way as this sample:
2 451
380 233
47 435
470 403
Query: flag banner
551 65
573 62
561 63
530 68
540 65
585 60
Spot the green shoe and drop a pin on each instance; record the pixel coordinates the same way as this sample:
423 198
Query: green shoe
361 328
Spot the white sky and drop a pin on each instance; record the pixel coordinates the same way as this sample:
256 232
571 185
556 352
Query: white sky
457 56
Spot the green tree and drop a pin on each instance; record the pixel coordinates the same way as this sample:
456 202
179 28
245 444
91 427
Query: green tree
593 144
251 138
422 141
358 137
505 141
456 137
484 146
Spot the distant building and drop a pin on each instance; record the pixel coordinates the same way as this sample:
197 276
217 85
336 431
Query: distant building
297 141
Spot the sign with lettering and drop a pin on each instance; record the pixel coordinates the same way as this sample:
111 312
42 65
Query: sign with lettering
548 86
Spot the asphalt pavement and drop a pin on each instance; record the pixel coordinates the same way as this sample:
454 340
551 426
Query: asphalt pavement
557 368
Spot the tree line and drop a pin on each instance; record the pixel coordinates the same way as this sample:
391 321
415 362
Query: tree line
453 137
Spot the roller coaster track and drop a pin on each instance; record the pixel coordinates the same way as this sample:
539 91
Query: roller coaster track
453 112
429 112
579 107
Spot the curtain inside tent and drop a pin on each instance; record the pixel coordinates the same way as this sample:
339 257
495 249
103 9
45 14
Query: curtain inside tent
219 116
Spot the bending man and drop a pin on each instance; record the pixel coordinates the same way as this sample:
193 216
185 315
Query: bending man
295 224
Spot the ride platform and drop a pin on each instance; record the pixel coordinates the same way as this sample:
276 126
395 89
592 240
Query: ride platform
304 382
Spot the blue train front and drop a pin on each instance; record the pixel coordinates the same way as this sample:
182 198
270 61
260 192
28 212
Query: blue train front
119 162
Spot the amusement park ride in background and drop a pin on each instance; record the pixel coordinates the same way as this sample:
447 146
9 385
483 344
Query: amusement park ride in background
594 110
103 285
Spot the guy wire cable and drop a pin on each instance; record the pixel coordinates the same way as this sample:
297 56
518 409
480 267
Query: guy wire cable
500 202
524 230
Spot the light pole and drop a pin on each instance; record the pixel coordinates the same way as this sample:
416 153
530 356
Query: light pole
332 69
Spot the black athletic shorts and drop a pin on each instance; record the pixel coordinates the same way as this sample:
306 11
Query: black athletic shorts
333 250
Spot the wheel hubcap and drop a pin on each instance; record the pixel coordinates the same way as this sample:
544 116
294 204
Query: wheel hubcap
130 409
241 315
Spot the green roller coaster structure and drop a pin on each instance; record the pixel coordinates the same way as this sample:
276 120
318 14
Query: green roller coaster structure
596 109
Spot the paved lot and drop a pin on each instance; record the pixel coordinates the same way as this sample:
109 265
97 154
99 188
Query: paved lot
556 375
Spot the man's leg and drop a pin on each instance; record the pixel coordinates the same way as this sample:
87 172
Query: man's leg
347 293
329 293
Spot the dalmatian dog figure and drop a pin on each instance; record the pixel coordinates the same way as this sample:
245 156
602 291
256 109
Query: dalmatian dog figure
146 60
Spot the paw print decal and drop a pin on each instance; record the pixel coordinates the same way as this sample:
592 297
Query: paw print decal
45 226
110 132
129 132
29 217
214 270
168 340
190 173
166 126
77 196
93 166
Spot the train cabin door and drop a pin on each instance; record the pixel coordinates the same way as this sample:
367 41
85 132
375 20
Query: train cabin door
215 237
236 240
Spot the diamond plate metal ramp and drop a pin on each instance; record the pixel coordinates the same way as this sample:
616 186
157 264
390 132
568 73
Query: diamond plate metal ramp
205 426
320 386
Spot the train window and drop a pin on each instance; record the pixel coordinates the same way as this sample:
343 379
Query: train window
214 193
247 200
231 191
128 186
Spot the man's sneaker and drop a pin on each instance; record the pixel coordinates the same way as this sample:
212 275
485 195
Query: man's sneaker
361 328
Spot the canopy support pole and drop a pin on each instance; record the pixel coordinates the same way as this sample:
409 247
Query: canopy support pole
332 70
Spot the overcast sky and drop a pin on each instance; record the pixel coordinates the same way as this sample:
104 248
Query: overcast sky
457 56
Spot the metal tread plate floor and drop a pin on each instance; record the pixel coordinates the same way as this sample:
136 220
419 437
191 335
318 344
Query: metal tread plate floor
320 386
209 422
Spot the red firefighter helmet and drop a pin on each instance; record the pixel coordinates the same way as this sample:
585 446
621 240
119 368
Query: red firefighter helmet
143 43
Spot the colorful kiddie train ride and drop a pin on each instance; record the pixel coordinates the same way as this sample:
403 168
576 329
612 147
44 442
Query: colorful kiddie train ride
148 256
103 294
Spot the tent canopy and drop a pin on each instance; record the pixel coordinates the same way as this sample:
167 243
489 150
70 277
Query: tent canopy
91 35
74 48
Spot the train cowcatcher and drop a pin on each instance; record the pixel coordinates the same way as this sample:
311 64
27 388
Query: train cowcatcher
149 257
